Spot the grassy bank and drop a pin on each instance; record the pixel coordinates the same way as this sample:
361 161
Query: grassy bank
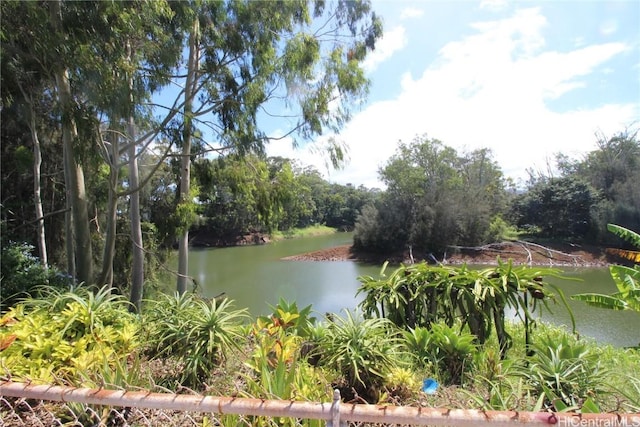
314 230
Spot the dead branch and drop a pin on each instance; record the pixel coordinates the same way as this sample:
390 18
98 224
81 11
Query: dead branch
527 247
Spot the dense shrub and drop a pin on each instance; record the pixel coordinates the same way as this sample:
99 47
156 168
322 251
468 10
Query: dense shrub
22 275
70 338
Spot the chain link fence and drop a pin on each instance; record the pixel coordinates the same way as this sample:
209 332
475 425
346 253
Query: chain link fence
46 405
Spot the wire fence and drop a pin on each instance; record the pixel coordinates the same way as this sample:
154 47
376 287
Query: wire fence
46 405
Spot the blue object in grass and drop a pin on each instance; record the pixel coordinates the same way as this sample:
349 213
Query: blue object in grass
429 386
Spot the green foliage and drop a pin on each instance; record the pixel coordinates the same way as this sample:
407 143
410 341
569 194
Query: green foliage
22 275
613 170
277 369
501 393
631 391
565 372
185 213
287 315
434 198
500 230
199 333
402 382
276 359
628 235
419 344
622 381
88 339
379 229
445 348
454 350
561 207
243 195
421 294
627 279
362 350
68 338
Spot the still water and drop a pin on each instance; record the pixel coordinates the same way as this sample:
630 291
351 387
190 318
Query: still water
256 277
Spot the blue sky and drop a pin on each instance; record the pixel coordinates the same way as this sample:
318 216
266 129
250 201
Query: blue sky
525 79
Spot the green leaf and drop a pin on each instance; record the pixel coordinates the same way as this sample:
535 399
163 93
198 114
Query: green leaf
601 301
590 407
560 405
626 234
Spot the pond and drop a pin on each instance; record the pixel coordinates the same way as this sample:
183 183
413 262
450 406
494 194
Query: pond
256 277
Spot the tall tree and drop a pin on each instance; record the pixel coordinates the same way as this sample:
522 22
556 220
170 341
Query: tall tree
242 55
560 207
143 46
23 85
613 170
483 194
434 198
74 170
184 198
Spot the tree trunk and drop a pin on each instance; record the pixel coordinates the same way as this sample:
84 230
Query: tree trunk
75 178
68 223
137 249
185 163
106 275
37 162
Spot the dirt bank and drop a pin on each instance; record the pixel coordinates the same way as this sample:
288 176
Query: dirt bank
555 254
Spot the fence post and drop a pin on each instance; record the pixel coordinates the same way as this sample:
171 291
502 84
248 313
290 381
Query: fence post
335 410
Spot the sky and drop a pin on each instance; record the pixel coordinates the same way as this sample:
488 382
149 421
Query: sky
524 79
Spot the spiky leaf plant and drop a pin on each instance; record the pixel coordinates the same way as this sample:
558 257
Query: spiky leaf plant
565 372
198 332
363 351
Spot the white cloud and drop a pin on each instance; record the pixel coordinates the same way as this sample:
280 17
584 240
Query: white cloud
608 27
391 42
411 12
493 5
490 89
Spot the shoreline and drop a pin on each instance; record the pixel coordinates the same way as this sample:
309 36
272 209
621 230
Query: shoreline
521 253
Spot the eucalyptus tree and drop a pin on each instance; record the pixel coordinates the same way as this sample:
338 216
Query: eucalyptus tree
23 85
307 56
145 46
101 59
49 40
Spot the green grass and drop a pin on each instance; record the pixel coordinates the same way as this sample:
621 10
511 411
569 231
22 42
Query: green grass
313 230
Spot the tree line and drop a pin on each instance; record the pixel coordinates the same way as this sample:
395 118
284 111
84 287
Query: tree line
437 197
85 130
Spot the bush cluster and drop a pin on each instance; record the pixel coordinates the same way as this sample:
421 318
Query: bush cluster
84 338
